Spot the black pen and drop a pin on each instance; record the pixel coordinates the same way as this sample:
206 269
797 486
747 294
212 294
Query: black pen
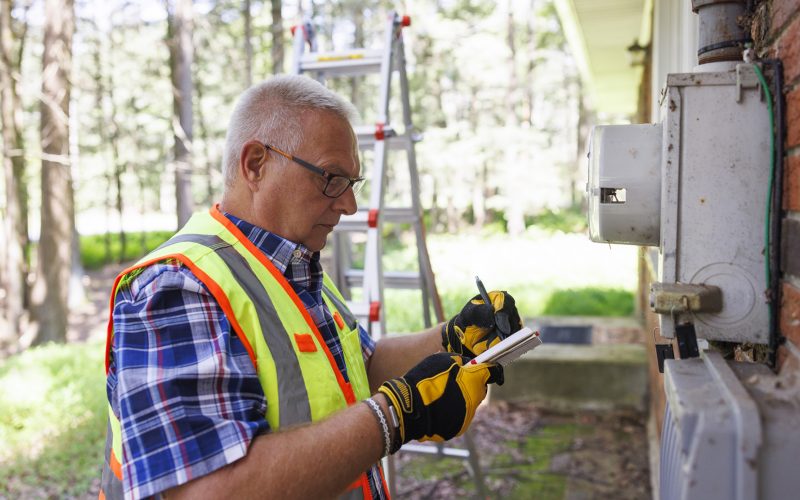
482 291
500 318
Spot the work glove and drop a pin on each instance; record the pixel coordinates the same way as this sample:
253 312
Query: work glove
436 400
479 326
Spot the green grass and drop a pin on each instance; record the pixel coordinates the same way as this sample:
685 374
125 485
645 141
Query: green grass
570 220
590 301
52 421
94 254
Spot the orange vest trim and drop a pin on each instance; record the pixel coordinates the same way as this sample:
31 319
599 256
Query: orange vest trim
116 467
347 389
383 481
213 287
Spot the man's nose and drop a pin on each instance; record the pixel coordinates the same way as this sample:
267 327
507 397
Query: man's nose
346 203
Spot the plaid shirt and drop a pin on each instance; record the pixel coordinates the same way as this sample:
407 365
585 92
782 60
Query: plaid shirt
180 380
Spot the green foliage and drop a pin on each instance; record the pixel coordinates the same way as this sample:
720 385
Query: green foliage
93 247
590 301
470 10
52 421
570 220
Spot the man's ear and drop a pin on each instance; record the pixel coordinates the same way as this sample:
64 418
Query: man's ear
252 162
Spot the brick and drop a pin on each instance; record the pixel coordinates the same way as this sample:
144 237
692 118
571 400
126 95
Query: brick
790 243
793 118
789 50
791 183
782 11
788 363
783 355
790 312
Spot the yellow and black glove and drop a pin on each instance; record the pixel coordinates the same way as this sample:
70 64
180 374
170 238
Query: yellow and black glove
479 326
436 399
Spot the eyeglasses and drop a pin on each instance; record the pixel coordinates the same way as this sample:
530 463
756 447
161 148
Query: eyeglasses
335 184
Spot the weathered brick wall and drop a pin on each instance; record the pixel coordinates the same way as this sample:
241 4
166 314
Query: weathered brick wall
776 32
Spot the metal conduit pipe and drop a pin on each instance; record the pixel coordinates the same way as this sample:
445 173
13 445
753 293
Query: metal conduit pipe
720 37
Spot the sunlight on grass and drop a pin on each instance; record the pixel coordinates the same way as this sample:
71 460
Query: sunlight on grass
52 421
536 268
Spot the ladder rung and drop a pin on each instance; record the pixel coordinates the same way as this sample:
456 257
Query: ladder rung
391 279
358 221
351 62
366 311
366 137
435 450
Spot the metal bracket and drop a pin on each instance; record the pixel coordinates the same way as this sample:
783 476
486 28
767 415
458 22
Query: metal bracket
746 78
673 298
663 351
687 341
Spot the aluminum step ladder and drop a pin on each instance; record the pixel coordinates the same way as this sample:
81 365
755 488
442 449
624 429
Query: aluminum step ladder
381 138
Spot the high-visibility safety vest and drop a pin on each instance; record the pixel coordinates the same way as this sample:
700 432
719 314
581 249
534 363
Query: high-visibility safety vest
297 371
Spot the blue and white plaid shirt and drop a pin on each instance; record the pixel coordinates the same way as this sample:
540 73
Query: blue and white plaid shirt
180 380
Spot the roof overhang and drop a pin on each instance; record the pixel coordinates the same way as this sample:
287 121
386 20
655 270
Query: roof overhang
599 33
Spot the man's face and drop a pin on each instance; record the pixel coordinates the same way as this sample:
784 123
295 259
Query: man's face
290 201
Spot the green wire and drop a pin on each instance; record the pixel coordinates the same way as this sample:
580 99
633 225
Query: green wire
768 95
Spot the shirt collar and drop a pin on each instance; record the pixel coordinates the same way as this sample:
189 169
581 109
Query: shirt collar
280 251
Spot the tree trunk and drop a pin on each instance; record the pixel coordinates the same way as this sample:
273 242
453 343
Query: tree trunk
248 46
511 90
277 37
180 44
208 165
358 42
16 227
529 83
55 242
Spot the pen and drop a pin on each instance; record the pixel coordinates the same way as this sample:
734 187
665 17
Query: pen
500 317
482 291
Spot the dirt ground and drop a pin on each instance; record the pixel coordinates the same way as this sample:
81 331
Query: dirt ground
529 453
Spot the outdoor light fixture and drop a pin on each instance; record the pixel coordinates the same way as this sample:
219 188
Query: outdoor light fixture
637 53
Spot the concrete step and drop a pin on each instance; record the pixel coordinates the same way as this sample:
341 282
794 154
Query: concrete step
568 377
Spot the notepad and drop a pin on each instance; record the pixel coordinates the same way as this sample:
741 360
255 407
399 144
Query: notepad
510 348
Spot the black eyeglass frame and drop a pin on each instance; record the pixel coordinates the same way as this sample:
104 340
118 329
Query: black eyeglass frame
356 183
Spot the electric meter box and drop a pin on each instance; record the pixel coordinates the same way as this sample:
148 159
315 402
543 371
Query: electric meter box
696 186
624 188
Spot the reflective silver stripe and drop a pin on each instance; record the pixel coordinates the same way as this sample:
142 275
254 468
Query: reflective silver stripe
293 404
109 484
349 319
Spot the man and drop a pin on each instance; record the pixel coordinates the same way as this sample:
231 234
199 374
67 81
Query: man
234 368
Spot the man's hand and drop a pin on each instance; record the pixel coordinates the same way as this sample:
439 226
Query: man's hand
436 399
479 326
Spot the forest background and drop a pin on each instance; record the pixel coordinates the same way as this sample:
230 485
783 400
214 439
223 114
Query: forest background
114 116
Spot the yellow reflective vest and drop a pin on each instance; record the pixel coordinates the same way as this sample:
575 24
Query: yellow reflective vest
296 369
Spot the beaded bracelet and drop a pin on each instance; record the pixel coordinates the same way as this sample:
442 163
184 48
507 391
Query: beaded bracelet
376 410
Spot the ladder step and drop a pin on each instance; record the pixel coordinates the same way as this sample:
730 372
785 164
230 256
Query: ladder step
359 220
391 279
344 63
366 137
435 450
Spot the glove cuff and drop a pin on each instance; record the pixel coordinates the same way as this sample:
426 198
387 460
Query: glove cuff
390 390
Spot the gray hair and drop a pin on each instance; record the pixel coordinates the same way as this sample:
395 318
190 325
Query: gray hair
270 112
